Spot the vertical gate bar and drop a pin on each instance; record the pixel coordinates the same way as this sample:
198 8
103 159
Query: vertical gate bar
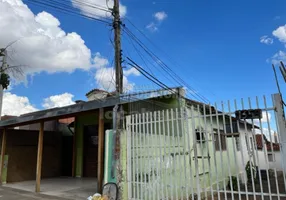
226 146
169 152
140 156
179 149
184 151
175 163
256 150
265 152
234 148
241 152
149 161
137 157
220 149
276 181
201 149
133 156
271 143
249 149
153 172
214 152
189 153
166 155
195 153
208 152
145 153
128 138
156 155
281 129
161 154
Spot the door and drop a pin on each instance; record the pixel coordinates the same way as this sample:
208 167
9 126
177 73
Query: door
90 151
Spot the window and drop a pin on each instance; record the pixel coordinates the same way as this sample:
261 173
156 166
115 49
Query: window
271 157
219 145
249 143
237 143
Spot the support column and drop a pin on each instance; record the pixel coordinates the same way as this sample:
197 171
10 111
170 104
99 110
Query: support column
39 157
281 125
74 148
100 168
3 149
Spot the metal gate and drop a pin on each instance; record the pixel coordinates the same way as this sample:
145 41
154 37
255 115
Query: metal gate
227 151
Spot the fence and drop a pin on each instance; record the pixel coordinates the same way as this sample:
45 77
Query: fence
227 151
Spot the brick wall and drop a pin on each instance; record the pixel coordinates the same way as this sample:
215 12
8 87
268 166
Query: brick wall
22 151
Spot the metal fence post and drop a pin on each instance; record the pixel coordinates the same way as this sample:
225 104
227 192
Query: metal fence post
281 126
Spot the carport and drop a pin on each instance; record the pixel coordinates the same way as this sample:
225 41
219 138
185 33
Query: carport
90 108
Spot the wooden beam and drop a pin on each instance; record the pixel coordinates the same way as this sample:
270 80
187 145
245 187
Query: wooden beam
100 168
74 148
3 149
39 157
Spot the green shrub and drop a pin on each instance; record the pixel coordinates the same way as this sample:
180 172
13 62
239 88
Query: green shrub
233 180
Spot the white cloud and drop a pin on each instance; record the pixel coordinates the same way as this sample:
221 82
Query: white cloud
41 44
152 27
160 16
105 78
266 40
280 33
131 71
16 105
99 61
280 56
60 100
88 7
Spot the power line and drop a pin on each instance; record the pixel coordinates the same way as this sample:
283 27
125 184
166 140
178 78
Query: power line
157 47
66 10
164 66
148 75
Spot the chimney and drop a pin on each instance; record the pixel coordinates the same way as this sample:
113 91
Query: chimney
96 94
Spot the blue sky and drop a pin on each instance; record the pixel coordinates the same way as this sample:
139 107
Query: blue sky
216 46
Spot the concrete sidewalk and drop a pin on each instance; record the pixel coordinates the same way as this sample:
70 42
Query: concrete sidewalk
69 188
15 194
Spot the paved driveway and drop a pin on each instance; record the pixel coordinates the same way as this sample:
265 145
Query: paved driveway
14 194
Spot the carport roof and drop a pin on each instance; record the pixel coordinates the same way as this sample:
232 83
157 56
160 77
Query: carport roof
82 107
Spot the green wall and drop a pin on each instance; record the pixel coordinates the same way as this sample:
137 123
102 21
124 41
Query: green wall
80 122
159 103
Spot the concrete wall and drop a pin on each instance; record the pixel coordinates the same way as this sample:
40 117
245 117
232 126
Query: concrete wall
22 151
277 164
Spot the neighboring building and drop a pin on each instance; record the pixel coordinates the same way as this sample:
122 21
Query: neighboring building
269 154
81 151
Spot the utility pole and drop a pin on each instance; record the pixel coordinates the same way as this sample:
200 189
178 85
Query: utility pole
118 61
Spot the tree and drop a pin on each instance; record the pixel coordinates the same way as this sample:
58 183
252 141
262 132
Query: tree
5 72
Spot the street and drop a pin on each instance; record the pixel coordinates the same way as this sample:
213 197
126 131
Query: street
13 194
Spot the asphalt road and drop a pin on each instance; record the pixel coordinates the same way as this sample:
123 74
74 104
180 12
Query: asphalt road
13 194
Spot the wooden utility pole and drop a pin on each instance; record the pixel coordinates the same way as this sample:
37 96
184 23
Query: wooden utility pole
117 41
